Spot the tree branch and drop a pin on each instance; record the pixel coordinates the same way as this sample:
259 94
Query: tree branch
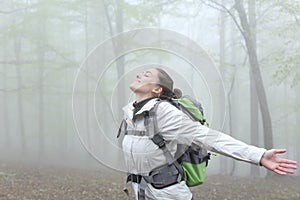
168 2
297 20
14 62
220 8
108 19
15 10
16 89
223 8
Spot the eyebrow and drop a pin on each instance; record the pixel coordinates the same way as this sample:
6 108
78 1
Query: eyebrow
148 72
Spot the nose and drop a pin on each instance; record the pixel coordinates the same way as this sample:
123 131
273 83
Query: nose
138 75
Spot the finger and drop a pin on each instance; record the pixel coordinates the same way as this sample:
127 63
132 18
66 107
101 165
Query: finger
288 166
285 170
277 171
280 151
282 160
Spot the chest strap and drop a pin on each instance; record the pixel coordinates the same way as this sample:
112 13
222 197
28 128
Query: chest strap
136 133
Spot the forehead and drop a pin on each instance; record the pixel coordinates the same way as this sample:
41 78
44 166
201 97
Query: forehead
152 71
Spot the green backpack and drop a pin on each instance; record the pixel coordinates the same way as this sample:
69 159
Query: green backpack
193 159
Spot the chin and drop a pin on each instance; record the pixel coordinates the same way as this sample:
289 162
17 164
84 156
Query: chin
132 87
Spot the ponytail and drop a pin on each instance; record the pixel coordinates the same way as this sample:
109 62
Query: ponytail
177 93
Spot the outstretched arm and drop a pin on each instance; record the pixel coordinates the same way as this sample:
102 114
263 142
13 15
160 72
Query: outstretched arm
278 165
175 125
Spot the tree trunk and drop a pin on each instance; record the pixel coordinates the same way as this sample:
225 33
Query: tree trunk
65 141
231 89
41 104
254 131
17 50
120 61
286 125
223 163
87 90
17 42
298 123
5 113
120 66
41 60
255 70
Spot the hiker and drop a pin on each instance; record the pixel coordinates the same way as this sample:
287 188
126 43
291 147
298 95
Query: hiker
144 158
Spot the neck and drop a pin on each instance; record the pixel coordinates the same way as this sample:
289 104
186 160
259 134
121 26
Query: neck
141 97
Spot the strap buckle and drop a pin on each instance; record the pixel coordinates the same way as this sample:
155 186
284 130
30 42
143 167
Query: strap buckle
134 178
159 140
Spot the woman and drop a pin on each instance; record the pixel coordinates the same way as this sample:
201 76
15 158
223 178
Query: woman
143 156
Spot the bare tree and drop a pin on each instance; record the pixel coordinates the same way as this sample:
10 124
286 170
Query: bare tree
231 88
87 87
17 50
254 111
17 47
298 122
256 73
41 30
120 62
5 113
222 56
245 29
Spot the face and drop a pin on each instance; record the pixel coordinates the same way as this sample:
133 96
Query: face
145 82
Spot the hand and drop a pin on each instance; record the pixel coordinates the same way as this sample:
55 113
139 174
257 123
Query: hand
278 165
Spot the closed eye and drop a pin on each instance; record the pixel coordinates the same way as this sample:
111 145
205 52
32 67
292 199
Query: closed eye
147 73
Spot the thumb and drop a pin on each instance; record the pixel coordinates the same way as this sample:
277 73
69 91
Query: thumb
279 151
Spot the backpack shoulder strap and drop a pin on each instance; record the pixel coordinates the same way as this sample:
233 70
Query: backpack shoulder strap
150 119
123 126
147 115
159 140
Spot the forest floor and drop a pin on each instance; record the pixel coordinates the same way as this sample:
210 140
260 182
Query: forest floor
24 182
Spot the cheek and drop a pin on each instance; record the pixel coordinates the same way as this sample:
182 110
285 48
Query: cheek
143 87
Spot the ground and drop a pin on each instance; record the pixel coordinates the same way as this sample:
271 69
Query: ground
24 182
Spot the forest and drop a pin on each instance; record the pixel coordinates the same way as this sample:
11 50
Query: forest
65 70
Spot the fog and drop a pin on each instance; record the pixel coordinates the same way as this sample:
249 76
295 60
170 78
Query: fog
66 66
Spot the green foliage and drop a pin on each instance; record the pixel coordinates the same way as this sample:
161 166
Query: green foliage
288 60
290 71
141 14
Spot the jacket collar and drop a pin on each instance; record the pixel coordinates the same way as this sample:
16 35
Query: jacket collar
128 109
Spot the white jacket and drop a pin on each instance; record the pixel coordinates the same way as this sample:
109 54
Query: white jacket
142 155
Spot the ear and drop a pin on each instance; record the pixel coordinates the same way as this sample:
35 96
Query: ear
157 90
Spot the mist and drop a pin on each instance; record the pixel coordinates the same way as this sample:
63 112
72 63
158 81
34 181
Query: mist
66 66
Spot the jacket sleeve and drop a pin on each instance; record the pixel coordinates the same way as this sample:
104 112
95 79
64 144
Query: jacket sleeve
175 125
